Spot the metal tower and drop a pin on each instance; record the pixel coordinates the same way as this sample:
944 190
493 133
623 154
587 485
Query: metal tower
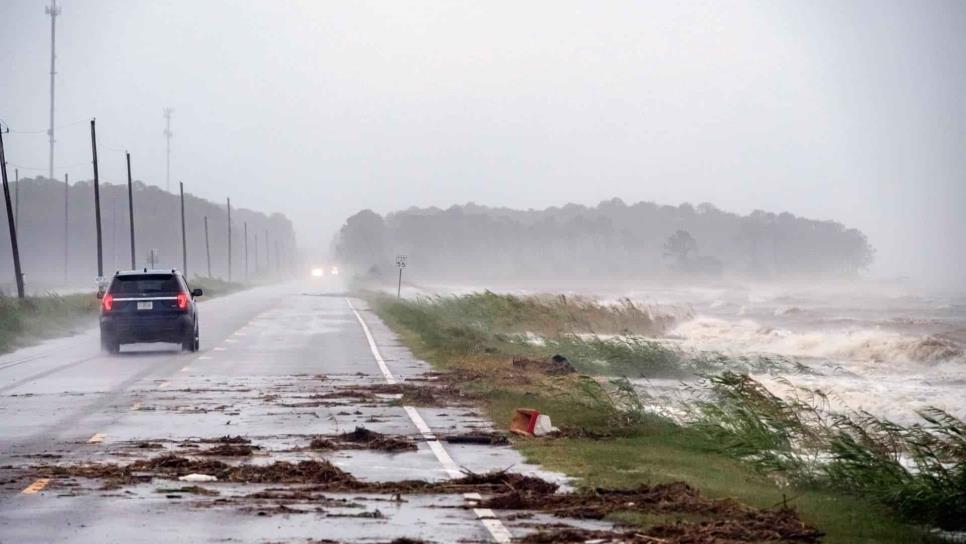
53 11
167 155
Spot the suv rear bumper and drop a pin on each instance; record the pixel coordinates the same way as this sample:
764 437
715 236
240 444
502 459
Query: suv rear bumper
164 328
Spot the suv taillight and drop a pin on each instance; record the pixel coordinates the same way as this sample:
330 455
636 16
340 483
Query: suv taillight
107 302
182 301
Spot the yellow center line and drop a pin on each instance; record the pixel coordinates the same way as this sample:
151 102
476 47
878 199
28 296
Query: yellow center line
36 487
136 406
96 439
163 385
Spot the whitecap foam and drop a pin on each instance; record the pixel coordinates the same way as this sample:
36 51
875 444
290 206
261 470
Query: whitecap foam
747 336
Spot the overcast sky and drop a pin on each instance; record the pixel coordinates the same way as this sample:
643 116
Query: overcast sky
853 111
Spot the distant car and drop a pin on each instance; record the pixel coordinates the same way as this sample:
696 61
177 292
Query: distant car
334 271
149 306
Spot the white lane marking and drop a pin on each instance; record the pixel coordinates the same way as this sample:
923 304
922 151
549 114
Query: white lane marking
96 439
204 358
185 369
375 351
486 516
219 348
230 340
36 487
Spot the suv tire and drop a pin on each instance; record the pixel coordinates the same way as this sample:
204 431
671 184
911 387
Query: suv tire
109 344
191 343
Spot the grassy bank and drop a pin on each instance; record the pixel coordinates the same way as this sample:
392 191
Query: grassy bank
37 318
608 440
24 322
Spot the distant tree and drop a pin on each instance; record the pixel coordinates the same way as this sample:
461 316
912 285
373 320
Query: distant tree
680 245
612 240
362 241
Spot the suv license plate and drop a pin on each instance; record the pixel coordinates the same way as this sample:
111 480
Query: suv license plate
145 305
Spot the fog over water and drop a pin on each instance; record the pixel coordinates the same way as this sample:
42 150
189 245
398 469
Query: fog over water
845 111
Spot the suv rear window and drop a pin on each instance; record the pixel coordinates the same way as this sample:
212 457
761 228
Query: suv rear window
145 284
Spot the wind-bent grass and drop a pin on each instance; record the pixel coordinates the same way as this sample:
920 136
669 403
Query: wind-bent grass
918 471
544 315
611 440
491 323
23 322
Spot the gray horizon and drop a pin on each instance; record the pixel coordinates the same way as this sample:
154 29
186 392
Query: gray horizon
846 111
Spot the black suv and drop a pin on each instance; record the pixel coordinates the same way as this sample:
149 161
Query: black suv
149 306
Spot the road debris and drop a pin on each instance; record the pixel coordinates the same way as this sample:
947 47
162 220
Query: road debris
555 366
362 438
732 521
530 422
228 450
480 438
192 489
194 477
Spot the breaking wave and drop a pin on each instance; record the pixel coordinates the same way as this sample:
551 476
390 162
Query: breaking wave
747 336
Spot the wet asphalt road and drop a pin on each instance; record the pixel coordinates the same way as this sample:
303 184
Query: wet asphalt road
264 351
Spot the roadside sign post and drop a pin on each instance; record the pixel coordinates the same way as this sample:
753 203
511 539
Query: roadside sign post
400 264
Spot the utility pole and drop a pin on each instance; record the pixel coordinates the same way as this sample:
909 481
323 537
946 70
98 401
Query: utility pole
256 254
16 196
207 247
268 255
53 11
229 240
114 232
97 205
277 263
184 237
167 155
66 225
10 222
130 210
246 251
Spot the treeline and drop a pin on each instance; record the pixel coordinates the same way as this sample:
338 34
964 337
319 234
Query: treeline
611 240
40 230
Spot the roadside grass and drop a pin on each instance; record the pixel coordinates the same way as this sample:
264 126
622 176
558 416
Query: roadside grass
919 470
546 315
24 322
609 442
37 318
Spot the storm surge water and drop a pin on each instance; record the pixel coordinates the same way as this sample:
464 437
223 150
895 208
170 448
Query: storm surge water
748 336
888 352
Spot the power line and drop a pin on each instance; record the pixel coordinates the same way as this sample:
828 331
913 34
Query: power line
46 130
75 165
